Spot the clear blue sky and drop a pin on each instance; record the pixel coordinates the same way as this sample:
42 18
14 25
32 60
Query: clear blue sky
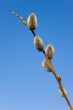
24 84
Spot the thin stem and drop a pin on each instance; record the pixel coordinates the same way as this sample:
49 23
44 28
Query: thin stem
64 94
33 32
23 21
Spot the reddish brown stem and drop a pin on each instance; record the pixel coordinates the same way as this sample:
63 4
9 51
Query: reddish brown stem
64 94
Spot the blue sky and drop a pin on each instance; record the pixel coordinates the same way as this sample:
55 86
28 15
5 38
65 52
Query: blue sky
24 84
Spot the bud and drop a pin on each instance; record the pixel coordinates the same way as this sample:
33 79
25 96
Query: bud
49 51
59 78
65 91
47 65
32 21
61 94
38 43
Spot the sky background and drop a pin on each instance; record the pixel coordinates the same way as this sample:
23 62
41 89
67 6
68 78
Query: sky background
24 84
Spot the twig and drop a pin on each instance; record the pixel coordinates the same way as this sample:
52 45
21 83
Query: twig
23 21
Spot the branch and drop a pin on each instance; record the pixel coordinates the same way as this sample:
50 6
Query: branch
32 24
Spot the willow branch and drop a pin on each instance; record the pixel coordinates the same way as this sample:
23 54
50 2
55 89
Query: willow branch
58 79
